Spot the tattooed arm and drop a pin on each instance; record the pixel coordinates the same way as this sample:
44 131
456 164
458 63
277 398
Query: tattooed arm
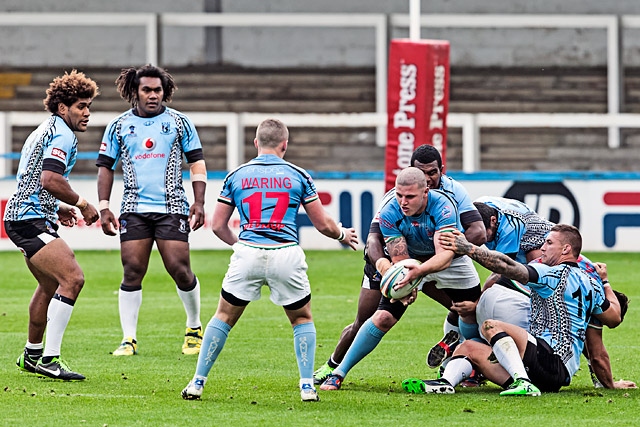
495 261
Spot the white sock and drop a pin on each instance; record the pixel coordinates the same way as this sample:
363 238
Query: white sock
508 355
449 327
457 370
34 346
129 306
58 316
191 302
308 381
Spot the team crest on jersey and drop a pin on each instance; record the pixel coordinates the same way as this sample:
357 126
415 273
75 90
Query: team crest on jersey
149 144
446 212
183 226
61 154
166 128
123 227
132 130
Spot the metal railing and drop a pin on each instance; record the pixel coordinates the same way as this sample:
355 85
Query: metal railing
235 125
153 23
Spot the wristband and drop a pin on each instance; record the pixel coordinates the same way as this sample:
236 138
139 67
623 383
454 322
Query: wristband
605 282
342 235
199 177
82 203
103 204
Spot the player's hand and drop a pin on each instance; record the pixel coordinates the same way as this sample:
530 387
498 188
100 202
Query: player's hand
196 216
412 274
624 384
407 300
108 222
90 214
67 215
464 308
382 265
601 269
350 238
453 240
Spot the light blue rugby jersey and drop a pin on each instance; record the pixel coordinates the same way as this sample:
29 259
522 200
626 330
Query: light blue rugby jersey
515 219
267 192
54 144
441 212
563 298
151 151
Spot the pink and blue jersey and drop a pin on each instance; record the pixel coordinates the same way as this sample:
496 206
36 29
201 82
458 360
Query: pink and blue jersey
441 212
151 150
52 146
267 192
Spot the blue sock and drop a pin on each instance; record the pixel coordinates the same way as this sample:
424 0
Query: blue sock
215 335
468 330
304 343
365 341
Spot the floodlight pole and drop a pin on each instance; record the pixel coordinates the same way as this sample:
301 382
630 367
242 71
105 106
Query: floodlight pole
414 19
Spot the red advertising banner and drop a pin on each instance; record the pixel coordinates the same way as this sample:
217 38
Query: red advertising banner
417 101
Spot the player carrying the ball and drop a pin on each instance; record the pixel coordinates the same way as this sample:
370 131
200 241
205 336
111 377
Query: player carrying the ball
411 224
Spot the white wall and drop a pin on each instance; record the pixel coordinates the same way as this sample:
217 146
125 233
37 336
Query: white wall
282 47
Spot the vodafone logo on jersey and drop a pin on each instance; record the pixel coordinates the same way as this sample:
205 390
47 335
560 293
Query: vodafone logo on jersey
149 144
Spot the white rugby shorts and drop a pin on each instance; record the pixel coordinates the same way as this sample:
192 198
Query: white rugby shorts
461 274
504 304
283 270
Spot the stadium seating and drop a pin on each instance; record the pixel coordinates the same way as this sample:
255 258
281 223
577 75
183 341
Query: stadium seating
473 90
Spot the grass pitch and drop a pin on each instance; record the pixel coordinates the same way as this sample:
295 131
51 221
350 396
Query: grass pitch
254 381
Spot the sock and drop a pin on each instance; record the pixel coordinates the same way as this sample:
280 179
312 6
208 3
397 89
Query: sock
507 353
34 350
191 302
365 341
332 363
58 315
469 330
449 326
457 370
129 302
304 342
215 335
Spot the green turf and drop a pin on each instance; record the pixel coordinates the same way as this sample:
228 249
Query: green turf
254 381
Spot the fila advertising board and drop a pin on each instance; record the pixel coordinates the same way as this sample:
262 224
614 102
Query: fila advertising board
607 211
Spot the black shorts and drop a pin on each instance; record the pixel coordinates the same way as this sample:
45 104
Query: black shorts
396 309
545 368
459 295
31 235
370 278
138 226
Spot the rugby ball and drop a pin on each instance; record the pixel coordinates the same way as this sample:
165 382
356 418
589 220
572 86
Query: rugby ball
396 273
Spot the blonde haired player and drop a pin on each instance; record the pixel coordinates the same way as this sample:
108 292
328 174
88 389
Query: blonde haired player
267 192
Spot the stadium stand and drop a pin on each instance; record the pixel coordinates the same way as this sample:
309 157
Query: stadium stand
349 90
